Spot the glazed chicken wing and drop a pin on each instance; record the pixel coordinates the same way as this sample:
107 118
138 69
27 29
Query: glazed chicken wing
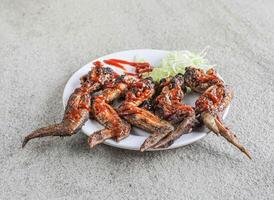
214 99
115 127
77 109
169 106
142 118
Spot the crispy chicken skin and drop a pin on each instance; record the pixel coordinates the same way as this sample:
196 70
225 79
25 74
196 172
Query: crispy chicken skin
199 81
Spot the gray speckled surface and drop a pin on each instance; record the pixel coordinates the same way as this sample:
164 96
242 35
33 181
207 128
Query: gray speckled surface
43 42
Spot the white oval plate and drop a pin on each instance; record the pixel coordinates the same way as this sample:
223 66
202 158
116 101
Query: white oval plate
137 136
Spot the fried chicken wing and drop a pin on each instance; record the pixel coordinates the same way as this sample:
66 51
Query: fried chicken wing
214 99
169 106
129 110
115 127
77 109
199 81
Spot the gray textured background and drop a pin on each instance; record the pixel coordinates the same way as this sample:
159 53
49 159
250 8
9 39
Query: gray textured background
43 42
